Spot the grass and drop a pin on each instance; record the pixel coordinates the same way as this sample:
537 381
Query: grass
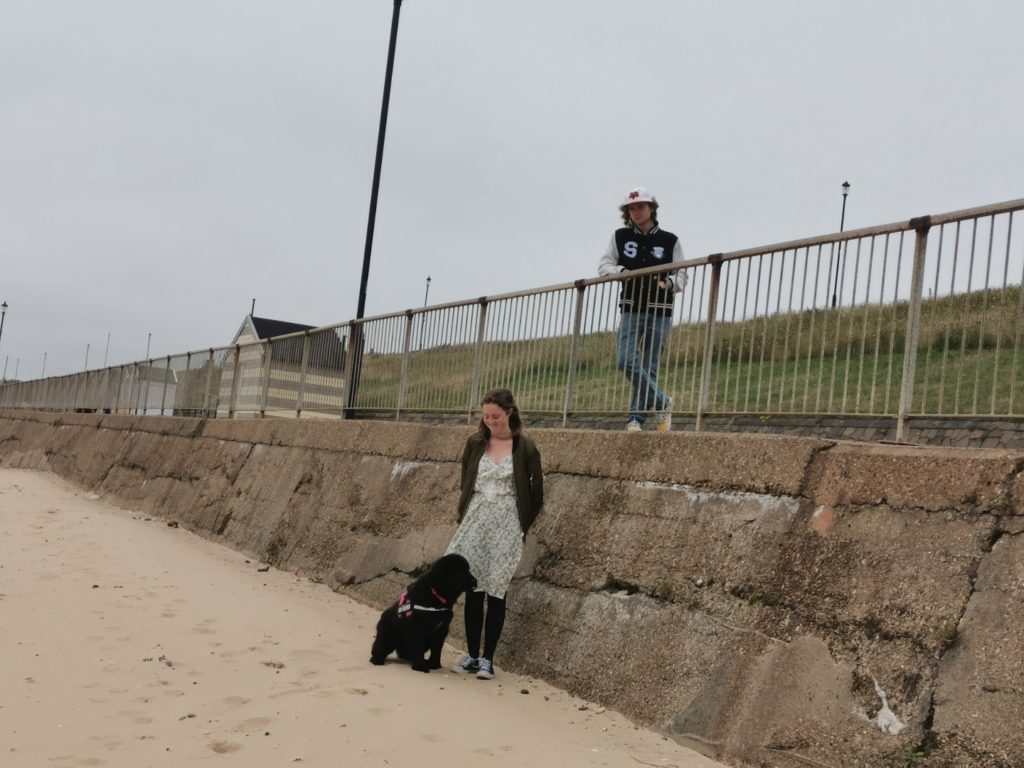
970 360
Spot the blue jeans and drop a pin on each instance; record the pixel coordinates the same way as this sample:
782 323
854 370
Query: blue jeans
642 337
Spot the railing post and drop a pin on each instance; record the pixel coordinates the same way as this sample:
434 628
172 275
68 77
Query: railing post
300 398
574 353
233 397
353 362
478 360
403 379
709 341
117 392
163 392
264 394
208 389
74 394
921 226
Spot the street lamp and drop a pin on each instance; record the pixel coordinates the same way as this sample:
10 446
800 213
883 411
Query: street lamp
842 223
423 317
3 314
356 333
360 310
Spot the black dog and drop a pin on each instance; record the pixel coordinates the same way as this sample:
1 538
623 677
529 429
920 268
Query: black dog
418 621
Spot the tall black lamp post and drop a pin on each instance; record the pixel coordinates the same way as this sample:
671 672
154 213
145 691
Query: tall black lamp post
423 317
842 245
361 309
356 340
3 314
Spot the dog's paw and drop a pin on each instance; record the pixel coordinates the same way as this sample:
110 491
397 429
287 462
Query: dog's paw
421 667
435 664
378 662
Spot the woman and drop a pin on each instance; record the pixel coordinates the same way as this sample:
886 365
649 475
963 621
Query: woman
502 493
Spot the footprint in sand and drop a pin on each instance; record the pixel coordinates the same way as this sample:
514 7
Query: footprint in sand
137 717
222 747
235 701
253 725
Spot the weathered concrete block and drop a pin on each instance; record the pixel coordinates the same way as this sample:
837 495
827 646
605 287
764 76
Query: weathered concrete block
910 476
979 694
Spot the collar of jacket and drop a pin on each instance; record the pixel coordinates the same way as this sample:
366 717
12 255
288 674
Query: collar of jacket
653 230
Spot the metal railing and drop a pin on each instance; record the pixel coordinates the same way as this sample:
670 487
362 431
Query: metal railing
921 317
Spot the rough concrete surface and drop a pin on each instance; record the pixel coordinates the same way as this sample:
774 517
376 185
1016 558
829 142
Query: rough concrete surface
773 601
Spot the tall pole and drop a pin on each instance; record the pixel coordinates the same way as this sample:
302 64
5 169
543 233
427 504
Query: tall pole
148 337
86 367
106 350
356 339
361 309
842 223
43 374
423 317
3 314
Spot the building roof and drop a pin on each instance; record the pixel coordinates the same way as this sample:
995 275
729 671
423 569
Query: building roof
328 347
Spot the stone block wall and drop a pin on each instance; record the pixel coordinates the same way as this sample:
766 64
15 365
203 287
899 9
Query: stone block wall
775 601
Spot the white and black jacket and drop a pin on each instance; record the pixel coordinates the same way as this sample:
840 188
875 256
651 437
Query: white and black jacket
632 249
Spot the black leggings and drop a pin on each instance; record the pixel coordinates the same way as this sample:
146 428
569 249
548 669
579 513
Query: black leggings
475 623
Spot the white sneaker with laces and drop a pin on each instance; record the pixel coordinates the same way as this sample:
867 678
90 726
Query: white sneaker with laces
466 664
486 671
664 417
633 426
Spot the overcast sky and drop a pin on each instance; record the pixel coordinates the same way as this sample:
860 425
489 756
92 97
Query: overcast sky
164 162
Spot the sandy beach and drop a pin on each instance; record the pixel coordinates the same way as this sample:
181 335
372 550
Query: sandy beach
125 641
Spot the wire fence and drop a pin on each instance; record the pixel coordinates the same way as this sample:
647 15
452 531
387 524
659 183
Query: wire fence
922 317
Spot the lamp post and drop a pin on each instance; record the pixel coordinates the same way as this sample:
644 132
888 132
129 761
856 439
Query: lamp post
842 222
3 315
382 129
43 374
423 317
356 338
86 366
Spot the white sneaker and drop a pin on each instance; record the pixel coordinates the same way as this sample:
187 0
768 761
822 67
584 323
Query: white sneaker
633 426
486 671
664 417
467 664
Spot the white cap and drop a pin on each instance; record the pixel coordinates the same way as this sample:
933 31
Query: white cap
637 195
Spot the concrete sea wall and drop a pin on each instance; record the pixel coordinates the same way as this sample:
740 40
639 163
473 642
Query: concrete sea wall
775 601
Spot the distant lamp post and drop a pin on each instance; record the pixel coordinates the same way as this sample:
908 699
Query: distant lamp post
86 367
842 245
43 374
3 315
423 317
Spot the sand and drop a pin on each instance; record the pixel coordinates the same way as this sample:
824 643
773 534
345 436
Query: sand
127 642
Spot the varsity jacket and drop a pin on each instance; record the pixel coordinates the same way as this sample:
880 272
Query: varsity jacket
632 249
527 477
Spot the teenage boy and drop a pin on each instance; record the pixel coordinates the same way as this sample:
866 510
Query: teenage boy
645 302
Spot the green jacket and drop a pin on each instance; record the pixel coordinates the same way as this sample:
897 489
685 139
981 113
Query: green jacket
527 476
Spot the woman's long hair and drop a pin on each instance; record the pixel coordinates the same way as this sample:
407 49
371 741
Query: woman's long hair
504 399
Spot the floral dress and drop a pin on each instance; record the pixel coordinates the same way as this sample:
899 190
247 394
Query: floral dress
490 536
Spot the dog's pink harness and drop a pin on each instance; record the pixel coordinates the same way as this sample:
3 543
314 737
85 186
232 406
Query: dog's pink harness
406 606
